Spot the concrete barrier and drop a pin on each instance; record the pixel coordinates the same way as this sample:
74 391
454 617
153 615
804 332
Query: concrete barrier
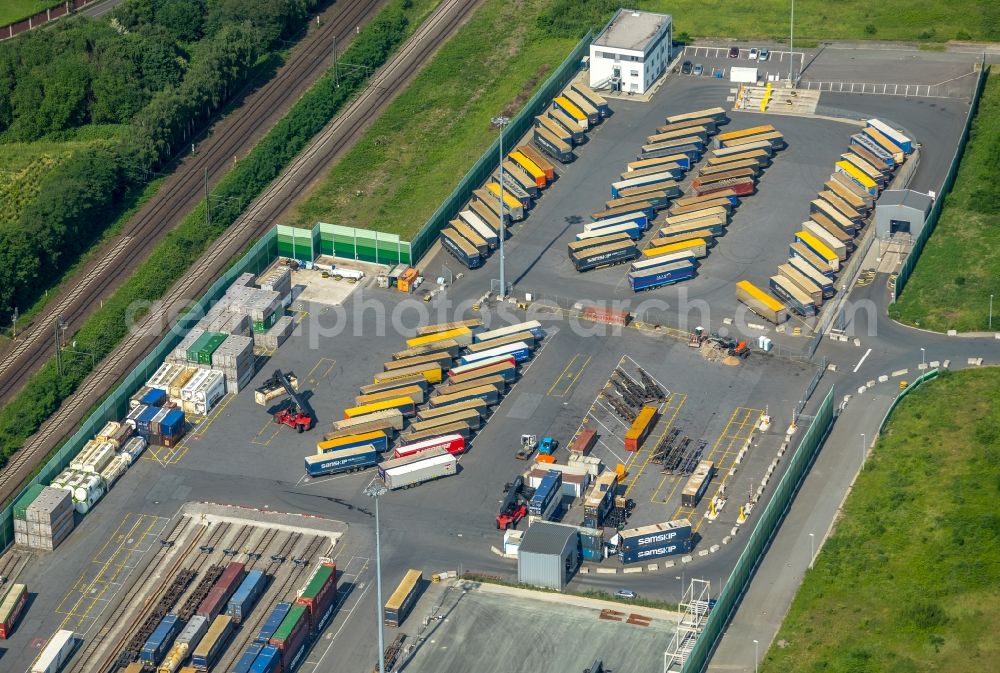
686 559
629 571
652 566
714 548
901 372
607 571
702 552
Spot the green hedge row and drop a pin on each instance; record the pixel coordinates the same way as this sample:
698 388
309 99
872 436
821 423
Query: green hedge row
105 328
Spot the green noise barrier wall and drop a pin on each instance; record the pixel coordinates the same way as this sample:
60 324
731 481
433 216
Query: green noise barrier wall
364 245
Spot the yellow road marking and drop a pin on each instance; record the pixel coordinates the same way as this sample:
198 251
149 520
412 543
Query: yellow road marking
682 398
330 362
570 374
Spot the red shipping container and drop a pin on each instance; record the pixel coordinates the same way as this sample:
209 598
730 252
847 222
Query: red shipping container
583 442
320 603
220 593
10 620
742 186
606 315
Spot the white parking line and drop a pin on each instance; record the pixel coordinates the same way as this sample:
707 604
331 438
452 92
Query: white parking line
862 360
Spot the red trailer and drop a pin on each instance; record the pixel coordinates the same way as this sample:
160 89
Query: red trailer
453 444
10 608
583 442
220 593
742 187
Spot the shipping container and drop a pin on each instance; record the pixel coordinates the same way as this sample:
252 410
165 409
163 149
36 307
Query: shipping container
596 239
697 484
857 176
416 469
896 137
742 187
548 496
684 201
843 214
742 166
539 160
56 652
879 153
802 282
819 248
606 255
866 168
760 155
658 199
193 632
403 598
461 249
483 228
345 460
274 619
560 126
654 534
898 156
530 168
487 394
882 162
160 640
776 139
245 597
460 370
833 242
218 596
641 427
290 638
723 138
708 204
442 358
671 188
714 223
519 349
682 160
470 236
454 428
697 214
486 214
567 106
709 123
640 211
646 554
761 303
693 151
245 662
670 134
403 404
861 203
211 646
584 105
471 417
675 169
268 661
601 496
847 183
697 246
583 442
517 181
495 380
845 236
612 225
453 444
793 297
756 146
703 181
811 258
11 607
652 178
415 393
319 595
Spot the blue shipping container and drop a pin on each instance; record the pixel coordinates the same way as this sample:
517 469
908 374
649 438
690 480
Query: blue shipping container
142 423
590 554
160 641
652 553
154 398
246 661
267 661
246 595
173 423
653 538
273 622
659 276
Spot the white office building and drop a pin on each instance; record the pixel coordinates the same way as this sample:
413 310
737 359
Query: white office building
631 52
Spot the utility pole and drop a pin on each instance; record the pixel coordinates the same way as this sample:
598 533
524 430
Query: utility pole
57 329
16 314
336 73
208 205
500 121
991 314
791 47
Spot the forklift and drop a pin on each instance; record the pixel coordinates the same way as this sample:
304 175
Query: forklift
514 505
296 413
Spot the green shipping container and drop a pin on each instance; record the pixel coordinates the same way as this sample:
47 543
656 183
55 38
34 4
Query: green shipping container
321 577
264 325
22 504
288 624
198 346
211 345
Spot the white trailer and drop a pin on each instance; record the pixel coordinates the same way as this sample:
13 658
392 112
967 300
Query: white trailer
55 653
417 468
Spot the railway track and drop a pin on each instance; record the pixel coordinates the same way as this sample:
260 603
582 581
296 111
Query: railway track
181 192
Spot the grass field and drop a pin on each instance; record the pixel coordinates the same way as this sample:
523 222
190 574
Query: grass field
15 10
960 266
909 582
416 152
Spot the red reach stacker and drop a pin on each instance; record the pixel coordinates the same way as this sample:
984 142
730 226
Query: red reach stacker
513 507
297 413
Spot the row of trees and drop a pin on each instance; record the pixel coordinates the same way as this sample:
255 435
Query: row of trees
43 394
136 71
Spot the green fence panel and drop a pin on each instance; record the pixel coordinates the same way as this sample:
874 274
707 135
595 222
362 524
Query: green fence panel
366 245
761 535
906 270
115 405
916 383
488 162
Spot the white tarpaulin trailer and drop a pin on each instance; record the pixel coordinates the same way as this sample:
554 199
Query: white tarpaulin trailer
744 75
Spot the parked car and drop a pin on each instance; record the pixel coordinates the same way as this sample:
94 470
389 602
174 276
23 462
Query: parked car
686 67
698 69
754 53
626 593
734 52
764 54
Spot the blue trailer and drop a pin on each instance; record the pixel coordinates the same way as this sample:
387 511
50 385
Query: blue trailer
461 249
273 622
246 595
245 662
348 460
647 279
861 140
518 350
160 640
640 554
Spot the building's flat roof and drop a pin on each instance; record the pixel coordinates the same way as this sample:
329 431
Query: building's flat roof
906 197
632 29
546 538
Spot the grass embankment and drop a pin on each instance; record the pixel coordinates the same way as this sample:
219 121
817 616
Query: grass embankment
102 332
427 139
958 270
910 580
15 10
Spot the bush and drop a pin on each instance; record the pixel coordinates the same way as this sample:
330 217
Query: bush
870 29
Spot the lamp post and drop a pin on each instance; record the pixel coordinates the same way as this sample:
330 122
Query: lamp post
500 122
812 549
863 448
756 655
791 46
991 313
376 490
923 358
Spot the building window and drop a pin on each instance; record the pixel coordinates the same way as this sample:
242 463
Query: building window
634 73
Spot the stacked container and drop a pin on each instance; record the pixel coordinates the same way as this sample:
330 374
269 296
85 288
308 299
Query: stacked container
290 638
156 646
592 544
276 336
319 594
175 387
133 449
200 352
167 372
235 359
43 517
116 433
274 620
218 596
179 354
148 396
94 457
246 595
279 280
